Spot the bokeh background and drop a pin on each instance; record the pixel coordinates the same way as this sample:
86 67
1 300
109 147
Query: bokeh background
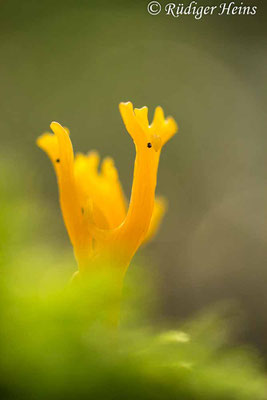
73 62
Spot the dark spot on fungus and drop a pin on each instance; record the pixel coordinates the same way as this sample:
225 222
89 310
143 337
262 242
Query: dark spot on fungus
57 160
82 210
149 145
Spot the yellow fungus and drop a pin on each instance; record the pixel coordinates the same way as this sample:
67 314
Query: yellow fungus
102 226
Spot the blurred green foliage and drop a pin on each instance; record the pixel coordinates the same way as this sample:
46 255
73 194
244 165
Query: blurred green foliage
56 341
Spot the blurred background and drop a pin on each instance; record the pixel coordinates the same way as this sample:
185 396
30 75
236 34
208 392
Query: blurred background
73 62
